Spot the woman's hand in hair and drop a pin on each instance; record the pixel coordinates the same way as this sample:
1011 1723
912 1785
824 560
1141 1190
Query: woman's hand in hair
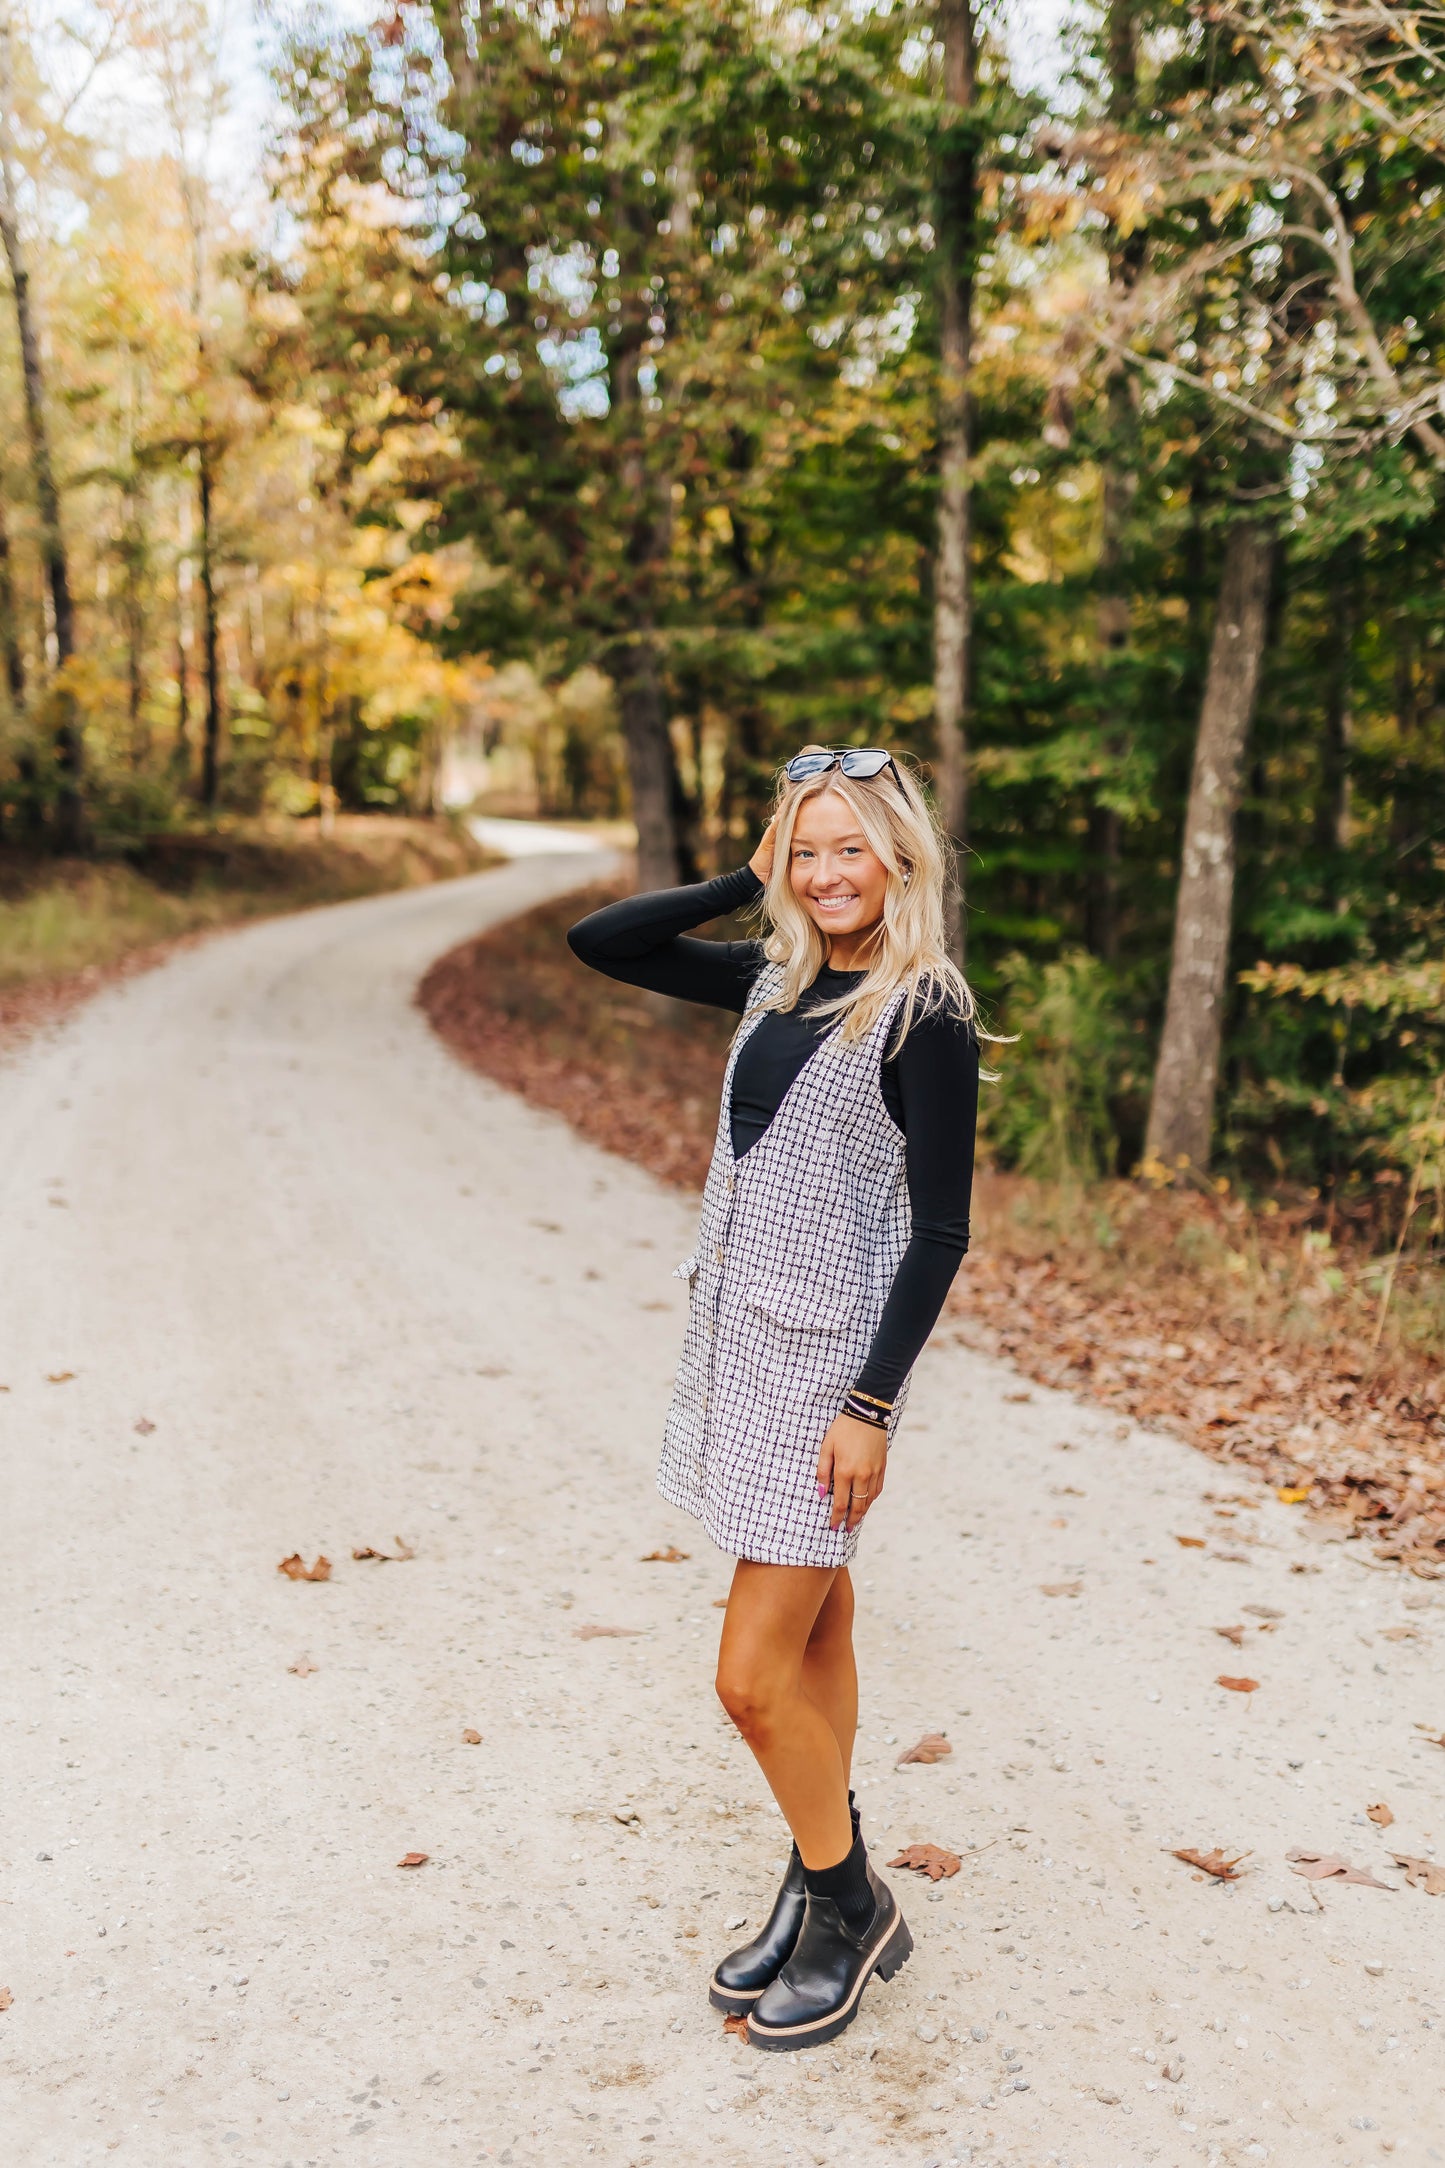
852 1463
761 861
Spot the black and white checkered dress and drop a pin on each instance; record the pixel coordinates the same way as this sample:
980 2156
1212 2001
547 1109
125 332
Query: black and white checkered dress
798 1246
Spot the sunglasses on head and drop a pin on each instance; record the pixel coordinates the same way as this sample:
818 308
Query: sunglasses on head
861 763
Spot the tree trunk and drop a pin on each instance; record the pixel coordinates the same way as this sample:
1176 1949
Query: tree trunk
10 625
69 744
957 192
649 762
211 740
1333 809
634 670
1181 1110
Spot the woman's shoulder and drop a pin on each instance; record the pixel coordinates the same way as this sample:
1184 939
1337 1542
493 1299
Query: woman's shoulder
942 1027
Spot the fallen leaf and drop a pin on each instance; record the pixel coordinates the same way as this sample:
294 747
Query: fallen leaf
1261 1610
719 1603
143 1427
414 1859
1062 1588
1238 1686
1300 1565
1018 1396
737 2025
303 1667
1293 1494
6 1998
669 1555
403 1550
1434 1738
1215 1863
932 1747
1399 1633
1380 1815
296 1569
471 1738
929 1859
606 1633
1232 1633
59 1377
1191 1543
1329 1867
1425 1874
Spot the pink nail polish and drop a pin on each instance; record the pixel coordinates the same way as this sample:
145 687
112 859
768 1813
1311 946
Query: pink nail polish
822 1490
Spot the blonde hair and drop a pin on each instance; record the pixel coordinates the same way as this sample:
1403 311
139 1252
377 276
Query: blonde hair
909 949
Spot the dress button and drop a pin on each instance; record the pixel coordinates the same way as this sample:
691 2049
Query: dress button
719 1253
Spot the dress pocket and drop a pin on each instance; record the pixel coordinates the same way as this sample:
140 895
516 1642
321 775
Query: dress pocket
805 1309
687 1270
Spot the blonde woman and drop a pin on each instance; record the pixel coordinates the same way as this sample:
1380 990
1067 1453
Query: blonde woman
833 1222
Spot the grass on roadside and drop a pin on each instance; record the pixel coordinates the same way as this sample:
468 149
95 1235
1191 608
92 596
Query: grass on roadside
1245 1327
65 924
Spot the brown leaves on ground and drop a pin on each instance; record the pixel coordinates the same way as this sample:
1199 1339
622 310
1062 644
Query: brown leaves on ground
1399 1633
669 1555
414 1859
1191 1543
295 1568
59 1377
607 1633
6 1998
1380 1815
403 1550
303 1667
1423 1874
1238 1686
1197 1346
143 1426
735 2026
1062 1588
1215 1863
1329 1867
1433 1738
932 1747
1235 1634
719 1603
471 1738
929 1859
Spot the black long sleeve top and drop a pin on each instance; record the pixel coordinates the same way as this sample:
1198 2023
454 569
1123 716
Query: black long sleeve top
930 1086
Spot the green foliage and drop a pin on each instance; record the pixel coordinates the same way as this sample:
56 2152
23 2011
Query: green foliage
1054 1110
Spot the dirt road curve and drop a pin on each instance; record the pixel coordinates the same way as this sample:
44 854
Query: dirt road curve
278 1277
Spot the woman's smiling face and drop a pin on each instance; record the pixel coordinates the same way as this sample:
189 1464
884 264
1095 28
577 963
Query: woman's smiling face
836 876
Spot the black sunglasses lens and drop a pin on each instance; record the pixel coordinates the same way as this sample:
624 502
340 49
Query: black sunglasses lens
864 765
804 766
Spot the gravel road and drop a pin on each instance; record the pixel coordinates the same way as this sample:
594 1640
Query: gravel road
279 1277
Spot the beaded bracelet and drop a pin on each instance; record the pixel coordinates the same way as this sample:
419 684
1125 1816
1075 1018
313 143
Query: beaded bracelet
864 1409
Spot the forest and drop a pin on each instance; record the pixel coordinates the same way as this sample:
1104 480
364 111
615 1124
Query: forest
635 390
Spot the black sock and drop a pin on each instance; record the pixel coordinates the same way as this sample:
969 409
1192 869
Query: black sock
847 1884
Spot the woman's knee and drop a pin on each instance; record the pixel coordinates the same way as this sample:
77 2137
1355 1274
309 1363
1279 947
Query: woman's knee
752 1699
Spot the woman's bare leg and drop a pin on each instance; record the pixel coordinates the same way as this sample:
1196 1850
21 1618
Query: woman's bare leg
830 1672
772 1614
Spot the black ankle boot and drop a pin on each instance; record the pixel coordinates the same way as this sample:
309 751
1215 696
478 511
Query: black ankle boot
816 1994
744 1973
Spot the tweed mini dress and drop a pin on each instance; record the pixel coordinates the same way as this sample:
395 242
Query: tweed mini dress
797 1249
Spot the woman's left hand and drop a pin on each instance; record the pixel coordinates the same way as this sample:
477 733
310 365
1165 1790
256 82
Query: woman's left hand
852 1463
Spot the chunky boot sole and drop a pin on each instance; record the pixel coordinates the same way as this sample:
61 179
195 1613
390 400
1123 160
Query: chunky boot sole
732 2001
891 1955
